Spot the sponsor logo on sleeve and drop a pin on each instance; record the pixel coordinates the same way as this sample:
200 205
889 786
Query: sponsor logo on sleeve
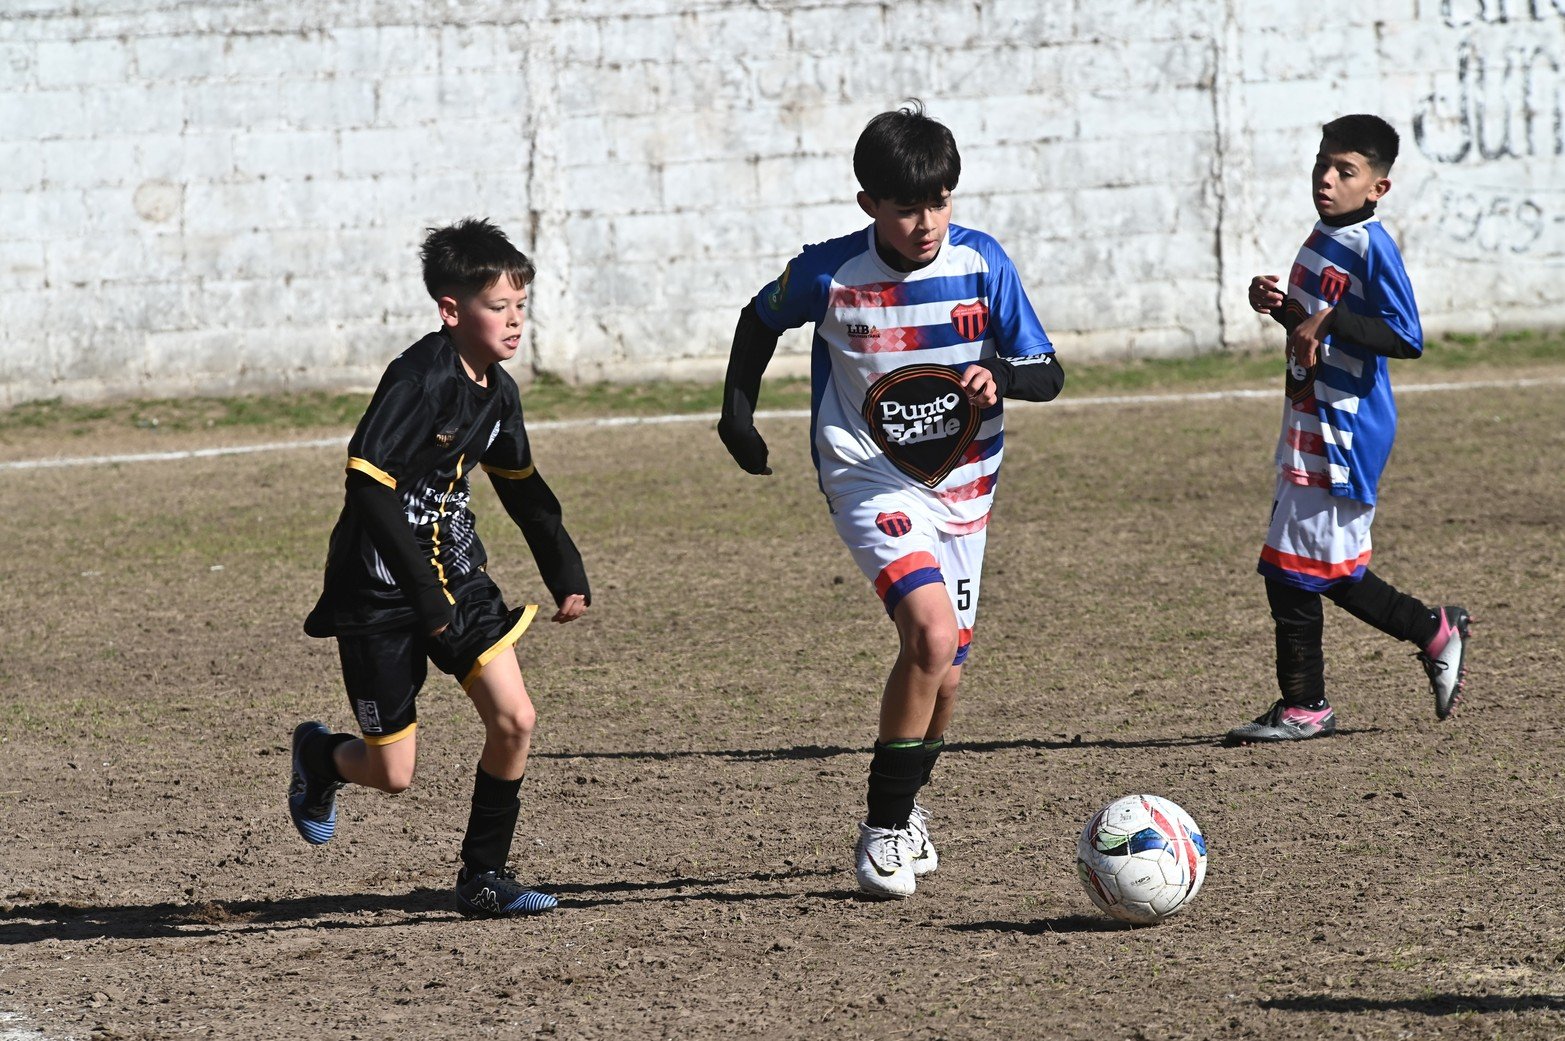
921 418
774 299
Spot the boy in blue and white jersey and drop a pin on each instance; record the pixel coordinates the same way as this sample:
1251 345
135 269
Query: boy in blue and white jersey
921 329
1348 307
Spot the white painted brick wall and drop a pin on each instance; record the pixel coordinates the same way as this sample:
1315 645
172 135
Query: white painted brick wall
230 195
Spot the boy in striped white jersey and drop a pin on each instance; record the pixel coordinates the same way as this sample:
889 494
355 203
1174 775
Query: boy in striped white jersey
921 329
1347 308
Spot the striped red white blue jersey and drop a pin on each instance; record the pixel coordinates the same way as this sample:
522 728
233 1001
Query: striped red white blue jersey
871 320
1340 417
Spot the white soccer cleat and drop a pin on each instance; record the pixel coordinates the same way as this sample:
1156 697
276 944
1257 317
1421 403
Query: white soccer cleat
884 861
926 861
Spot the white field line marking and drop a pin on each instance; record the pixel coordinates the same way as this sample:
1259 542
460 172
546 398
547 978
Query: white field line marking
18 1029
1109 400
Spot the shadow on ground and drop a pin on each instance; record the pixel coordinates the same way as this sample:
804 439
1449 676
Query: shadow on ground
50 920
831 751
1071 923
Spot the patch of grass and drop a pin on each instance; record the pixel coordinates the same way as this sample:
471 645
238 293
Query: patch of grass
549 397
271 411
1224 369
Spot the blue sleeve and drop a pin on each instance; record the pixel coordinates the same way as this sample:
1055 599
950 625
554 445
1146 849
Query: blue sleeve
1013 323
793 297
1387 292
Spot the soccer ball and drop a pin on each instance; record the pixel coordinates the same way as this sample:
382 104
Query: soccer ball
1141 858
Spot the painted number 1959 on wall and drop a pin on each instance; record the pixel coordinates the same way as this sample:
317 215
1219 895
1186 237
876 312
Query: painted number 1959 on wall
1506 223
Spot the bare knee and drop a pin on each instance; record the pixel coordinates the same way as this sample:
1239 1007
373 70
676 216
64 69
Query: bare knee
513 727
930 647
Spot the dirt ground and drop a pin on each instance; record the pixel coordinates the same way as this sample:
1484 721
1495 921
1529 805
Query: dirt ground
702 749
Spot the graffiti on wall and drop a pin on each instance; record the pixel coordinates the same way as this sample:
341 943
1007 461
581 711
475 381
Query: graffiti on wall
1501 102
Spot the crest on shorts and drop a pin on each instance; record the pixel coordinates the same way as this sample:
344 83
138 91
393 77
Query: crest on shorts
920 417
894 524
971 319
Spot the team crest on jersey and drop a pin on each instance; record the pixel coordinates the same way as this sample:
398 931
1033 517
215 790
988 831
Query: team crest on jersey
971 319
1332 284
894 524
921 418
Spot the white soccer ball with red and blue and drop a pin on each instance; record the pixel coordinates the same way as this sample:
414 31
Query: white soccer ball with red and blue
1141 858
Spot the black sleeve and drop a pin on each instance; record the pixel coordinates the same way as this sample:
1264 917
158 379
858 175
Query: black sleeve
1035 378
379 511
537 513
1373 334
752 350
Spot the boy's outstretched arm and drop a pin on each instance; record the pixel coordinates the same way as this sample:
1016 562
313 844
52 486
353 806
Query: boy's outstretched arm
536 511
752 350
379 510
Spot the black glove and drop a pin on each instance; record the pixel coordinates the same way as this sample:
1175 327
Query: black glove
746 445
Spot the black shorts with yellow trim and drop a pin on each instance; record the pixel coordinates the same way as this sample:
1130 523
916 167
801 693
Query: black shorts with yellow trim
384 672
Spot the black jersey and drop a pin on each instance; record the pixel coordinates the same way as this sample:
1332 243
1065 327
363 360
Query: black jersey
426 429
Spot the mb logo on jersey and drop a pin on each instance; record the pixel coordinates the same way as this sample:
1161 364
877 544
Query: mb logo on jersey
921 418
971 319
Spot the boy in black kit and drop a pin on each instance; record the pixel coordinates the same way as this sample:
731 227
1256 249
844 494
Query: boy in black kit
405 577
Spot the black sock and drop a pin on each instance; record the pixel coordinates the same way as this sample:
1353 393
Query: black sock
932 749
491 823
1301 665
895 774
1371 599
319 755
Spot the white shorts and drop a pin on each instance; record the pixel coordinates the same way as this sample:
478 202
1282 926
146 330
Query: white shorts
895 541
1316 539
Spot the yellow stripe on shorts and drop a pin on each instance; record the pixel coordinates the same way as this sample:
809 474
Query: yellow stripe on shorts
499 645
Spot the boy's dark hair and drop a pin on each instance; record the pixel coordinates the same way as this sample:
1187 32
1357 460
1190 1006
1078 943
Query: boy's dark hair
905 156
469 256
1369 136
